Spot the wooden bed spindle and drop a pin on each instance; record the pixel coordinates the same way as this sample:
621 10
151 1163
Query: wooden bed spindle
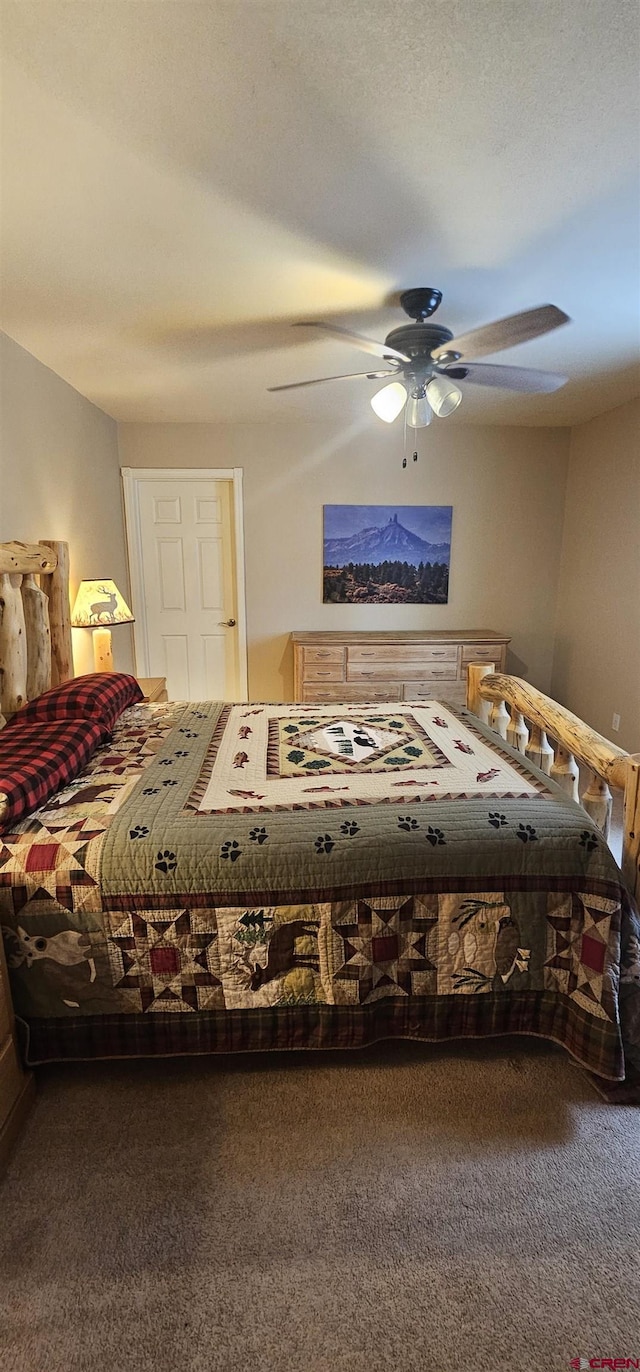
500 718
517 732
539 750
13 644
38 635
597 800
564 770
56 587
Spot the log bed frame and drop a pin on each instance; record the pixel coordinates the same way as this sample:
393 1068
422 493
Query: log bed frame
35 653
489 693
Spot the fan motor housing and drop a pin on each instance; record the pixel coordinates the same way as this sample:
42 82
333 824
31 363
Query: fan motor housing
417 341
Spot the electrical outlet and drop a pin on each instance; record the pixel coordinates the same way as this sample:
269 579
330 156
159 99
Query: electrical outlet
615 723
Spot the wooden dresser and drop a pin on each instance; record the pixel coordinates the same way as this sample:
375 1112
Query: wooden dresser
409 664
16 1086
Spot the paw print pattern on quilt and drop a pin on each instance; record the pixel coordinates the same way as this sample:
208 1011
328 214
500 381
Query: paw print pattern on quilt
324 843
166 861
231 850
497 820
588 840
527 833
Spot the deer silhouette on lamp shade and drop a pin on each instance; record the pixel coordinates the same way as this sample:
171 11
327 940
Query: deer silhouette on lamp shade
104 607
99 604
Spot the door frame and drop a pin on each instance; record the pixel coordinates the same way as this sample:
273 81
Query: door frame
132 478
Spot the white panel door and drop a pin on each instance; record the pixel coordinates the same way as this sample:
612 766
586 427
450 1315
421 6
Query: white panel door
183 565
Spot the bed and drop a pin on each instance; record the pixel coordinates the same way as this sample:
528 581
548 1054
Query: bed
240 877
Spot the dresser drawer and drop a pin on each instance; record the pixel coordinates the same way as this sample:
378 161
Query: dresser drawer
348 692
482 652
402 671
452 692
312 655
403 652
11 1079
324 671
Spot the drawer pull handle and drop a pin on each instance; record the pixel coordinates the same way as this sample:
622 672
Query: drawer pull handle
324 673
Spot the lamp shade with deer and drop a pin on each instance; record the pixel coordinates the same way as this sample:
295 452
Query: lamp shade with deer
98 605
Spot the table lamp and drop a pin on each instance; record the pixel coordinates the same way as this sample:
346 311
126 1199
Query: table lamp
99 604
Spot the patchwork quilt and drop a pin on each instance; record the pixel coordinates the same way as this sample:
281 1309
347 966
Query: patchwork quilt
242 877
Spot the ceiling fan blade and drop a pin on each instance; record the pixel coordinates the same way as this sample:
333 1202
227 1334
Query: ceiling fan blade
368 345
318 380
504 333
509 378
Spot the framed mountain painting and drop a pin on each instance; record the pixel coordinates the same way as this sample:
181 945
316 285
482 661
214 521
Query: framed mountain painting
387 554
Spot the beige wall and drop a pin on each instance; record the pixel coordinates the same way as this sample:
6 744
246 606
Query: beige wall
506 486
513 556
597 655
60 478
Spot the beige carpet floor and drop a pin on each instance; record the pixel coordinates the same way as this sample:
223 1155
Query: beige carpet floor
407 1208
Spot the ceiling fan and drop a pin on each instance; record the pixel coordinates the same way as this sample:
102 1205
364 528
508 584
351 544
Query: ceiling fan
426 361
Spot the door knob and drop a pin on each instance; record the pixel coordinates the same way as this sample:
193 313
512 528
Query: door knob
227 623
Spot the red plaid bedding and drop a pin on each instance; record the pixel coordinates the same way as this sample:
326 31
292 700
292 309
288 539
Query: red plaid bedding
37 759
99 695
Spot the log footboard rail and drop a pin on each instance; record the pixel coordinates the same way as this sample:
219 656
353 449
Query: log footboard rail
488 695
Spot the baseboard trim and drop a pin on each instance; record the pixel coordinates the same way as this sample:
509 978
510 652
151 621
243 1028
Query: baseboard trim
15 1120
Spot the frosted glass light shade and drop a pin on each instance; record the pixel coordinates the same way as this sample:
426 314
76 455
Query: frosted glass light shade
99 603
388 402
419 412
444 395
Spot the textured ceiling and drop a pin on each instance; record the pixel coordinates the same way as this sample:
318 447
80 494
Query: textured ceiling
183 180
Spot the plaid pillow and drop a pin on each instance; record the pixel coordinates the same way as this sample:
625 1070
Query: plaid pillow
99 695
37 759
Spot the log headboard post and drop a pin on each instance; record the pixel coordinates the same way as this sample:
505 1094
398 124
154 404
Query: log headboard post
56 586
32 623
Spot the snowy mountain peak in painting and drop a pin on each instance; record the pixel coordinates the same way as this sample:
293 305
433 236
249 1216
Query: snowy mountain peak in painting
391 542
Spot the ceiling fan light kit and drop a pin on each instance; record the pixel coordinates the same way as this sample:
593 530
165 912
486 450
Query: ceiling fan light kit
430 361
444 395
419 411
388 402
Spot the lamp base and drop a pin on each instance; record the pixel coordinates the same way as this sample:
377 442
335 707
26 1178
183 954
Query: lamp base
102 655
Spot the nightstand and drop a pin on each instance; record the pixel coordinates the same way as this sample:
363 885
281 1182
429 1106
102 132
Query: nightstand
154 687
16 1086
